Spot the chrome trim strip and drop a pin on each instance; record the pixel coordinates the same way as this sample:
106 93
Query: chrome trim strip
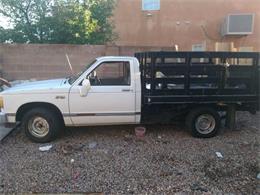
92 114
10 114
101 114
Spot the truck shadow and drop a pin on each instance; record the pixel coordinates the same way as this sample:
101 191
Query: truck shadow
122 130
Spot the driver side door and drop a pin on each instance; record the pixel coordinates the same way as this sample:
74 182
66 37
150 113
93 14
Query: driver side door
111 98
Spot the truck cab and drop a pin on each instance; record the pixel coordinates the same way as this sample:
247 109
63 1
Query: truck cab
106 92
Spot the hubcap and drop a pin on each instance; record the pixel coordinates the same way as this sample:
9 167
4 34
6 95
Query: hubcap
205 124
38 127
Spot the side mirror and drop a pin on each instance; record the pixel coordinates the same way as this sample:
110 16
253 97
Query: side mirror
93 75
84 89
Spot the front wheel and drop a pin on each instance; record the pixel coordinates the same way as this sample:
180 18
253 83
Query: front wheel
41 125
203 122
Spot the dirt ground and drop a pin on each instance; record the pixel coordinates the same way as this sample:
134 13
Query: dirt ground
111 160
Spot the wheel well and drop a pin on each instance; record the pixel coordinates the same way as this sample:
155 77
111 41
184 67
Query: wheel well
26 107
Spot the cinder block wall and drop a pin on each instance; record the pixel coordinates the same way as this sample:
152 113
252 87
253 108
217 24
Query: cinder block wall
43 61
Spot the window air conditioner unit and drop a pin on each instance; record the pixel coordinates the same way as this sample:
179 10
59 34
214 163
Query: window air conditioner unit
238 24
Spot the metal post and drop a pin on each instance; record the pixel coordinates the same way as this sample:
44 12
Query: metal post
231 117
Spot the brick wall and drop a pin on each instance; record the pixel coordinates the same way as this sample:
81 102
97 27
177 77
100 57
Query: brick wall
43 61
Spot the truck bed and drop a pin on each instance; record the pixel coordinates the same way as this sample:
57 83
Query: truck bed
199 77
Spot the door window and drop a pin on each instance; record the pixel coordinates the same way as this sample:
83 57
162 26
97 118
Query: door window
111 73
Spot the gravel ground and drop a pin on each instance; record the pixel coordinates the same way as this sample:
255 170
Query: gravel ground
111 160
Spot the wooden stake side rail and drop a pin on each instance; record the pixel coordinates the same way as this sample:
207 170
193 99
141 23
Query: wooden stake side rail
199 77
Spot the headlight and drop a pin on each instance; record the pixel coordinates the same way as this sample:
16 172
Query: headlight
1 102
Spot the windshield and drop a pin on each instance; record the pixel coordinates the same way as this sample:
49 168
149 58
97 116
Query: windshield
73 78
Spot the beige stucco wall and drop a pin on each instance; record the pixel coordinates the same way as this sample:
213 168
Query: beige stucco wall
179 22
42 61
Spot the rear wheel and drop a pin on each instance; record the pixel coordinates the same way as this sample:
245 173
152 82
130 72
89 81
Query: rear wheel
203 122
41 125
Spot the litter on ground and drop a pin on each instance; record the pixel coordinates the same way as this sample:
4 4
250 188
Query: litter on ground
219 155
45 148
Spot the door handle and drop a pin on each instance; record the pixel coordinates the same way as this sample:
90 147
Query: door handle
127 90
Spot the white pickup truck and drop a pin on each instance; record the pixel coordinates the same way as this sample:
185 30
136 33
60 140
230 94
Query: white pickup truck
118 90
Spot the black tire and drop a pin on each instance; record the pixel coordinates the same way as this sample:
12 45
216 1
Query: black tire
197 114
48 117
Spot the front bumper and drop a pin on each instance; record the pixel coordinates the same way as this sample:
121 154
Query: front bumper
5 122
3 118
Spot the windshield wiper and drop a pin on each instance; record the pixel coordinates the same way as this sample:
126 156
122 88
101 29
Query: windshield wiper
67 79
